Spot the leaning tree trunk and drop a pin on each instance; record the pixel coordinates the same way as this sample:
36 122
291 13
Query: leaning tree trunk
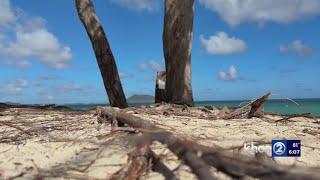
103 53
177 45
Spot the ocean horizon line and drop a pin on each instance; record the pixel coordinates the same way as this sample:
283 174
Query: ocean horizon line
199 101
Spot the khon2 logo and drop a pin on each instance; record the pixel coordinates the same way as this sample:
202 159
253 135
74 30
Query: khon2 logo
286 148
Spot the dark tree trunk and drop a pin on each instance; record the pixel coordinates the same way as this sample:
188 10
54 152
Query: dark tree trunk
103 53
177 45
160 92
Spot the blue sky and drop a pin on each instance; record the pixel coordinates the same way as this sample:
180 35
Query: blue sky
241 49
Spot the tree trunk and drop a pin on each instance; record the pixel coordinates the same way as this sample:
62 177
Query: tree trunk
105 59
177 45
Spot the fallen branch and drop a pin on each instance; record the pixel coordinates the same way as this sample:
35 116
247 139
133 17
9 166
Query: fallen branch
244 112
161 168
311 132
138 164
256 106
237 114
15 127
189 156
307 115
194 155
17 176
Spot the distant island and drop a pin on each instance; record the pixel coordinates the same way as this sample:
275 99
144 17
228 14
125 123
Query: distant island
137 98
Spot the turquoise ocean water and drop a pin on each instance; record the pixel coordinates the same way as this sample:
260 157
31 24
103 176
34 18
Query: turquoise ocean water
281 106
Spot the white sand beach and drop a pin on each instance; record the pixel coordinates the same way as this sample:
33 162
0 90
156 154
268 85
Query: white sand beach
73 145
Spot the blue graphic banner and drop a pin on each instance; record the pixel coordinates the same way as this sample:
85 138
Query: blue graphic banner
286 148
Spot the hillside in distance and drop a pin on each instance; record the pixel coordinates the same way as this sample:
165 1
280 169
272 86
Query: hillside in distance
140 98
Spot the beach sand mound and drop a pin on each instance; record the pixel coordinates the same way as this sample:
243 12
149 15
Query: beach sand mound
73 145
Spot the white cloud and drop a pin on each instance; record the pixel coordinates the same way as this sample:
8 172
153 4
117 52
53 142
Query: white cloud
230 75
2 41
6 13
43 46
298 48
71 88
21 64
139 5
155 66
143 67
14 87
221 44
68 88
28 23
32 39
46 76
2 38
123 75
146 79
21 83
235 12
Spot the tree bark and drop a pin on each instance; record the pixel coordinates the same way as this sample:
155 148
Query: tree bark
256 106
104 56
177 45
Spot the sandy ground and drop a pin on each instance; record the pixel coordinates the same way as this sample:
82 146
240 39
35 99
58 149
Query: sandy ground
72 145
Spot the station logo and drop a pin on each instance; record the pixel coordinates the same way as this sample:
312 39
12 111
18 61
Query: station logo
286 148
